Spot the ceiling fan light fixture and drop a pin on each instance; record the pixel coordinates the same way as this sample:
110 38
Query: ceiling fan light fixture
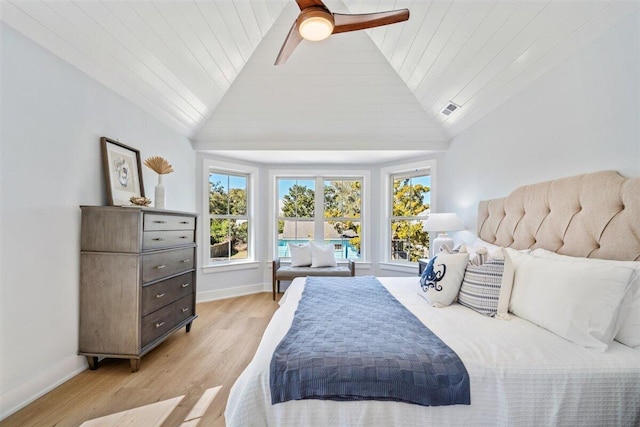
315 24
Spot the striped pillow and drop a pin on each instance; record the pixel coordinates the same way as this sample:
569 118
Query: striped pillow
480 287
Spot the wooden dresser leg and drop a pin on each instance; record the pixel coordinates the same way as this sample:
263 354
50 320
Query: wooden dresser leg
135 364
189 327
93 362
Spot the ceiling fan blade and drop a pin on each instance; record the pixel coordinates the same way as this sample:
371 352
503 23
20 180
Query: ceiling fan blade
346 23
303 4
293 39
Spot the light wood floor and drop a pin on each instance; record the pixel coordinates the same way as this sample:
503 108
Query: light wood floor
221 343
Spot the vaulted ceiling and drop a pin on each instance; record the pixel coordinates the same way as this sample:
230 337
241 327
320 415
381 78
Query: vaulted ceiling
206 67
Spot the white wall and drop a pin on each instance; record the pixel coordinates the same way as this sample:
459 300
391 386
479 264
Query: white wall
52 118
583 116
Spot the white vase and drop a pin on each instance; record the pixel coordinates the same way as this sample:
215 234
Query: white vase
160 196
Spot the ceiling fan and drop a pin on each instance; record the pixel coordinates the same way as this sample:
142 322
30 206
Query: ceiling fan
316 22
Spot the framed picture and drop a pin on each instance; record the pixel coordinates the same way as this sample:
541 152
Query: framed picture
122 172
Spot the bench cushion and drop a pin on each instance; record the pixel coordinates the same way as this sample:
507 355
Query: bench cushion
287 272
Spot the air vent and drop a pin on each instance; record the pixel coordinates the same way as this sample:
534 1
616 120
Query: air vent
450 108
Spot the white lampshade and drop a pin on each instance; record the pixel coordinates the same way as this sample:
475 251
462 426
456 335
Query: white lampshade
315 25
442 222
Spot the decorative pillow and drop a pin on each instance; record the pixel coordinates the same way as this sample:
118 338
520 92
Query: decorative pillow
300 254
579 301
481 252
477 255
323 256
480 287
629 332
441 279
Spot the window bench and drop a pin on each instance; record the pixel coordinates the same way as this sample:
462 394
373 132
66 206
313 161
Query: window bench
289 273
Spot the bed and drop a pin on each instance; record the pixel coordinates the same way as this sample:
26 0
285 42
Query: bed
520 373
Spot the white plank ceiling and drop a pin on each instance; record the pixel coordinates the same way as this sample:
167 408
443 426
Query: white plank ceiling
206 67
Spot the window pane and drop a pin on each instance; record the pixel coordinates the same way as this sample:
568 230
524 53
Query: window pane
218 194
229 238
220 239
296 198
342 199
345 238
239 238
293 231
422 190
411 195
237 195
408 241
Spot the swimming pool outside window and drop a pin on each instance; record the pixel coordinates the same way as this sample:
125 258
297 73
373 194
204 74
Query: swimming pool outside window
339 205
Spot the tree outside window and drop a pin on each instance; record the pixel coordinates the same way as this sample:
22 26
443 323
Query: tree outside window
296 212
229 235
342 210
409 208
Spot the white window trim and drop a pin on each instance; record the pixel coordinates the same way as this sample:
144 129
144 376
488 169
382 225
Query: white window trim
385 181
365 221
253 179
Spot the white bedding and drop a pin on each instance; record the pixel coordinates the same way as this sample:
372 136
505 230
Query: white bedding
520 375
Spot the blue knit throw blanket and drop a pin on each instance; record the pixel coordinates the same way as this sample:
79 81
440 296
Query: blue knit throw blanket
352 340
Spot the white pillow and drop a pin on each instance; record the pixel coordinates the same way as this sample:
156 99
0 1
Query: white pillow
323 256
507 282
576 300
300 254
441 280
629 332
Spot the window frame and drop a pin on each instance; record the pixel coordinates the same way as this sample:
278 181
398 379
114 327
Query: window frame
319 176
252 174
387 176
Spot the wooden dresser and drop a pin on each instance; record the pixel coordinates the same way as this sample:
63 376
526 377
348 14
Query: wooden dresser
137 280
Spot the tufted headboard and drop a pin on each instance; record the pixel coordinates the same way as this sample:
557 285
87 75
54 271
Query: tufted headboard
595 215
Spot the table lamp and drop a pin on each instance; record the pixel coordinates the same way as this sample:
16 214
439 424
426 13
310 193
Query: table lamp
442 222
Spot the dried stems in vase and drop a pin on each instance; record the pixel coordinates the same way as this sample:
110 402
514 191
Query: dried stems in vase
159 165
162 167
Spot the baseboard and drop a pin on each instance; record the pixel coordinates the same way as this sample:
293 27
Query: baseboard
18 397
237 291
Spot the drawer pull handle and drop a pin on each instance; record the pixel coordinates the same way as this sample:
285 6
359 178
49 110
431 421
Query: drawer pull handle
185 260
184 310
159 239
184 237
159 324
159 295
184 285
160 222
160 267
184 222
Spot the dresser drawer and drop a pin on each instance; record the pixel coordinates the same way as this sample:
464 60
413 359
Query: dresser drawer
162 321
167 263
155 222
163 293
166 239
